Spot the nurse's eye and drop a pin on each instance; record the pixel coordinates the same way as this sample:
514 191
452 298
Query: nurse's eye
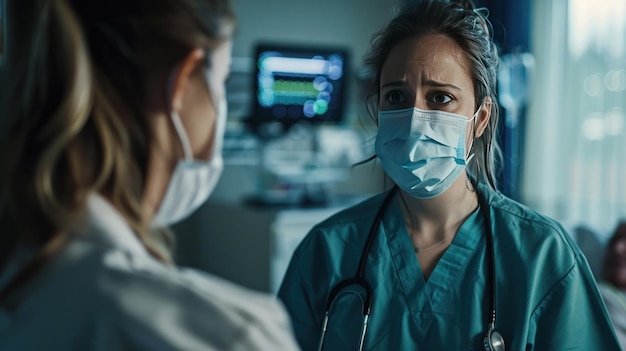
395 97
441 98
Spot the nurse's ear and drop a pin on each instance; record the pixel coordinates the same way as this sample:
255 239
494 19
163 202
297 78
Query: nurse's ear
180 81
482 117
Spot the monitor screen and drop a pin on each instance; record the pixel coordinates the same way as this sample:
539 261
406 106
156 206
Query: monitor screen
297 84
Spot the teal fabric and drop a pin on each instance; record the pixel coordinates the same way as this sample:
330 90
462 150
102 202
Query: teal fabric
546 296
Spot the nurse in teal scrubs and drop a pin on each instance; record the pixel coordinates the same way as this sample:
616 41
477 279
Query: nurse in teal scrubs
429 265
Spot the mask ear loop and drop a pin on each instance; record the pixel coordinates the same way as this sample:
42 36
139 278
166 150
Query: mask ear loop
175 117
182 135
474 117
219 103
478 166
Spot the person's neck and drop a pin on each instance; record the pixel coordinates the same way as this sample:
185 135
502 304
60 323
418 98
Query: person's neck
430 220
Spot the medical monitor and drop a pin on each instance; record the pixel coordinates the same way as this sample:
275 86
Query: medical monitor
297 84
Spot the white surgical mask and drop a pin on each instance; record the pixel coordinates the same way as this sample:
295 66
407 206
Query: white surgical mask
423 151
193 180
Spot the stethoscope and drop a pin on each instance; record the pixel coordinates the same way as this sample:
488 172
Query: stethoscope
492 341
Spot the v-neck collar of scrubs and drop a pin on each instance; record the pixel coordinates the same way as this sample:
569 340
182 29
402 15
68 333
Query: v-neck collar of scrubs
424 297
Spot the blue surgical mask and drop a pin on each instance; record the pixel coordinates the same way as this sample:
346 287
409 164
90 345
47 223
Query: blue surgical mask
423 151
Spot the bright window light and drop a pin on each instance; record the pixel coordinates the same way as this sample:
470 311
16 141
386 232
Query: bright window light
592 22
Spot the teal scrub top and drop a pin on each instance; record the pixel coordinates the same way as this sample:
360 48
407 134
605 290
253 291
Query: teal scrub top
546 296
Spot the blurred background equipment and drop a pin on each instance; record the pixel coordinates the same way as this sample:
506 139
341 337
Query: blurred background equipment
296 91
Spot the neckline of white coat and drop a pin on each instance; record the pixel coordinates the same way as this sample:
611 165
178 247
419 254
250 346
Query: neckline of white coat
104 224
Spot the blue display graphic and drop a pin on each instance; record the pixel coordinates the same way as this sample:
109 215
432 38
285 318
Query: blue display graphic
295 84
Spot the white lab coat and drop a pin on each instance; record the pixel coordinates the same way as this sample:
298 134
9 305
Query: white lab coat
105 292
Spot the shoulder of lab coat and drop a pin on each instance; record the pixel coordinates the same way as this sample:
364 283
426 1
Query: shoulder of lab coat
106 292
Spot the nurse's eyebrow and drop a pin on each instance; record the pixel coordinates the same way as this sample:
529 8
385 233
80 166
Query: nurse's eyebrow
395 83
431 83
434 83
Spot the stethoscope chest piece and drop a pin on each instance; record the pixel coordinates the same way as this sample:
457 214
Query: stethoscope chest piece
493 340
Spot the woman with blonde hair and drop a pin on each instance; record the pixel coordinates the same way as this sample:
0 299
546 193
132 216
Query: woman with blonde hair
117 114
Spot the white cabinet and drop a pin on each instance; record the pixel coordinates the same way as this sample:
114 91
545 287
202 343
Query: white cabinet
288 229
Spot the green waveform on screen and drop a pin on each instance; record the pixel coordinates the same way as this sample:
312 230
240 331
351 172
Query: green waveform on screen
294 86
293 92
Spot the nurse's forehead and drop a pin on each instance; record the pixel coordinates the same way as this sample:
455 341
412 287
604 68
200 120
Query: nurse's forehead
434 57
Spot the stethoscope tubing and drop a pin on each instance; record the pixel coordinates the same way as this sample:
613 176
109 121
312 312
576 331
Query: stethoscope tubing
373 230
359 280
491 261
